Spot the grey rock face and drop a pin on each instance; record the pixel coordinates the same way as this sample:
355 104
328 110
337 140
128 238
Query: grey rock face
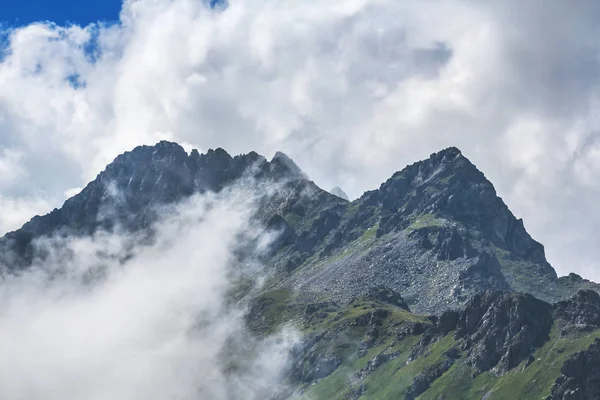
485 272
500 330
442 235
580 312
131 190
449 185
580 376
448 321
423 381
386 295
374 364
435 232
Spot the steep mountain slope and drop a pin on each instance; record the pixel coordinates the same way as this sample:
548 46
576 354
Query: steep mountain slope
502 345
436 231
427 287
131 190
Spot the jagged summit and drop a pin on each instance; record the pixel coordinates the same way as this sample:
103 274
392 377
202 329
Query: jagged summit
438 231
448 154
128 189
447 185
287 165
451 151
435 232
427 287
442 167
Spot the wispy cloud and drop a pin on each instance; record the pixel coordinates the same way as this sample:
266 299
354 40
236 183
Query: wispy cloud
98 318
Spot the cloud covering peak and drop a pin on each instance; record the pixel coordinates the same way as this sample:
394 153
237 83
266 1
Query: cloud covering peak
99 318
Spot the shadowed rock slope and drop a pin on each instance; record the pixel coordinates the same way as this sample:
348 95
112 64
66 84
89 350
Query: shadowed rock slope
425 288
436 231
132 190
501 345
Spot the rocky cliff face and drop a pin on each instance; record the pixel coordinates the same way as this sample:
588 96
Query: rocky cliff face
500 330
501 345
449 186
580 376
131 190
427 287
435 231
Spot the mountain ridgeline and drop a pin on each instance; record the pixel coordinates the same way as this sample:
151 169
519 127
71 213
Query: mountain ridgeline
427 287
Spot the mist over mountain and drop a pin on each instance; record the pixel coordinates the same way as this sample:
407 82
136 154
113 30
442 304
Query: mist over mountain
339 193
427 287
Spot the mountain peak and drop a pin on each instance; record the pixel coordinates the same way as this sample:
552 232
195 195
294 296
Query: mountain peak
337 191
161 150
449 152
286 164
351 276
448 187
167 144
219 151
130 187
449 163
162 147
441 211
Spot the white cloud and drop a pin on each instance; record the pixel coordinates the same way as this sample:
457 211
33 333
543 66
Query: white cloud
13 212
10 167
352 90
91 326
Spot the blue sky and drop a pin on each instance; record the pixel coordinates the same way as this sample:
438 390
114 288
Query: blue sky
82 12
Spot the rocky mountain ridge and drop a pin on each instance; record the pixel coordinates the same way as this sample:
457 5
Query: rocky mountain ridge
436 231
501 345
427 287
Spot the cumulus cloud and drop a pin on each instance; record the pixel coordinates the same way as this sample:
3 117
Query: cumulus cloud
98 318
352 90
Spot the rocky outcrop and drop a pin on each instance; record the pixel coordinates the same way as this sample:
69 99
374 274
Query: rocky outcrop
499 330
372 318
436 231
375 363
447 322
387 296
317 312
580 376
485 272
581 312
308 363
130 192
449 185
423 381
448 243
